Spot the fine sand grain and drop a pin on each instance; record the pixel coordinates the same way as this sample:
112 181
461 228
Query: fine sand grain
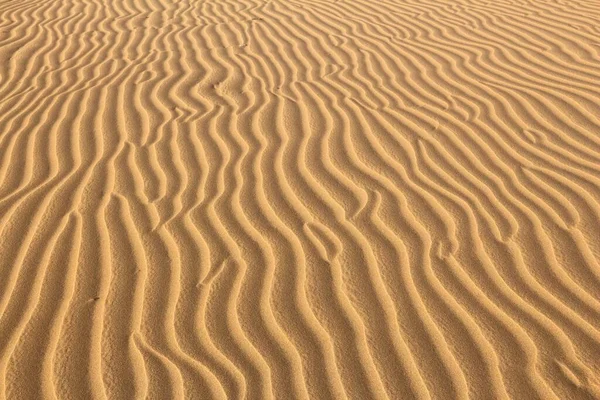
293 199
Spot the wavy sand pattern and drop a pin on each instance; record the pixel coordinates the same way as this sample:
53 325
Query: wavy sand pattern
292 199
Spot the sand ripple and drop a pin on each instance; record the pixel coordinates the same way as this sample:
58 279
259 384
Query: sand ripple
292 199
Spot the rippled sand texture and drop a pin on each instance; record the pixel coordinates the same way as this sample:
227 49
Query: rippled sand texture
291 199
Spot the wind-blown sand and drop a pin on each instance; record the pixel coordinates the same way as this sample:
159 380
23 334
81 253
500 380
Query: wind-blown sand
291 199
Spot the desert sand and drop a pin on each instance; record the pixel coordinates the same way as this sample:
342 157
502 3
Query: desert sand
294 199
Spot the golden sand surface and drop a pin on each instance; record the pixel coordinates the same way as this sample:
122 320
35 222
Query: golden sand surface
294 199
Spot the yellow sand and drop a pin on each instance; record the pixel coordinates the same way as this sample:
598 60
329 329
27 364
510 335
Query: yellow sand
292 199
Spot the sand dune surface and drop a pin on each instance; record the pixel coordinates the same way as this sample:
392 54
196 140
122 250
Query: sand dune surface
300 199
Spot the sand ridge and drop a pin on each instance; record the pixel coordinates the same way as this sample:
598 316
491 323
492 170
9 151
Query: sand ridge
271 199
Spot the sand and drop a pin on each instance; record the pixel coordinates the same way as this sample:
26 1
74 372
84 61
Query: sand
293 199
